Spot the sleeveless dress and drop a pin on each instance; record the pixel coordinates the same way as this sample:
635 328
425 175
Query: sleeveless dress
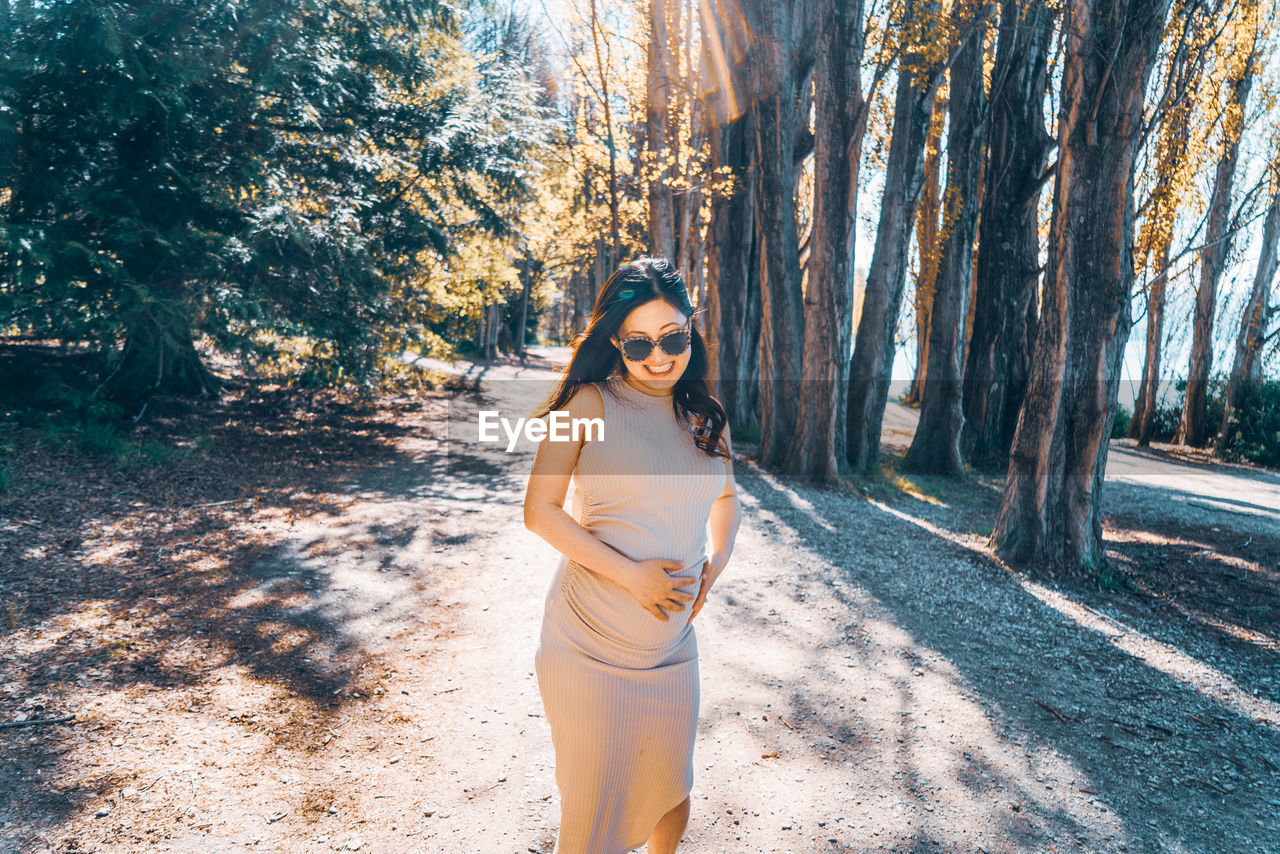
618 685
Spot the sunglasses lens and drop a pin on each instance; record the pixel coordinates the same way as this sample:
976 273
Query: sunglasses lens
675 343
637 349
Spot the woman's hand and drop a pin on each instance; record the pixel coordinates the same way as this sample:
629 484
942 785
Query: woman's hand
652 585
710 572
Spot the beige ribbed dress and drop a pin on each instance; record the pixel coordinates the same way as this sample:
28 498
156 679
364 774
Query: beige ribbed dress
619 686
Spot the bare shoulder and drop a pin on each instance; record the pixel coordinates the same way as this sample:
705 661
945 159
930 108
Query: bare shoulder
587 402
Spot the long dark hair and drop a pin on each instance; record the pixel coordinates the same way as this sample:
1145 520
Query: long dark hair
595 359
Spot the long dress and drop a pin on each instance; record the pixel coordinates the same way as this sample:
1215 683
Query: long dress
618 685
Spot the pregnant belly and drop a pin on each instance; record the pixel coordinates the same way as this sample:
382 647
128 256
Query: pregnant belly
607 608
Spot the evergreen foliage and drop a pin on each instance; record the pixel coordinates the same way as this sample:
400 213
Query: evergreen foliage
1254 431
246 170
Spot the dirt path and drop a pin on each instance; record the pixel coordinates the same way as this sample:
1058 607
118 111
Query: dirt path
872 680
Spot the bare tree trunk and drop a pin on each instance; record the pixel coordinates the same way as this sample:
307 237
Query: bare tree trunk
615 227
530 275
732 267
1253 323
578 315
1050 514
1157 234
599 273
1192 429
872 363
1144 406
935 447
661 72
690 242
1007 267
160 357
818 448
733 292
927 243
782 330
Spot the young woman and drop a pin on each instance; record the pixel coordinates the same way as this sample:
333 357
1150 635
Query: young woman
617 662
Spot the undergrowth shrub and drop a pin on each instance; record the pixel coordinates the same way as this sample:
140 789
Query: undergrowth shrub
1254 431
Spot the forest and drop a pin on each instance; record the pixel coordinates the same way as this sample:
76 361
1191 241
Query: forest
1016 194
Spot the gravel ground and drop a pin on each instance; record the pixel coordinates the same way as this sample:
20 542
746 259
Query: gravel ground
873 679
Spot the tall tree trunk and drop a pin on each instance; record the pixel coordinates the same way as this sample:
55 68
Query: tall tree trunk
732 266
530 274
1157 234
1007 267
782 329
689 204
928 246
661 73
615 227
1144 406
600 271
818 448
687 198
1192 429
579 309
159 357
872 362
935 447
734 303
1050 513
1253 322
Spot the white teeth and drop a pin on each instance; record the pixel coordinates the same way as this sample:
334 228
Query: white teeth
664 370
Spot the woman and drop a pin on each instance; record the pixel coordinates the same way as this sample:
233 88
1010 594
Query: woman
617 662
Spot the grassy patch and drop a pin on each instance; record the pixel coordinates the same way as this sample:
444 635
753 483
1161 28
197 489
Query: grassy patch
14 615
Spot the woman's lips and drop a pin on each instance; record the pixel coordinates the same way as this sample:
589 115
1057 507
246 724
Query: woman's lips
670 366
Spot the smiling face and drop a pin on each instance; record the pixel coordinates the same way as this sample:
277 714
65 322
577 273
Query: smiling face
658 373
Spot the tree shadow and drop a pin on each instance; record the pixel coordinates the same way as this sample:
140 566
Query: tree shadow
1156 749
221 556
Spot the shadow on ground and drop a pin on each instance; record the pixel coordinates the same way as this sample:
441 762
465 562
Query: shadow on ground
164 575
1164 756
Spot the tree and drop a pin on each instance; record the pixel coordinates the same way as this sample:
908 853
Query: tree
239 169
935 447
732 268
1168 173
840 111
1192 428
1007 269
1049 515
1156 237
928 245
1256 316
615 226
661 71
781 61
921 64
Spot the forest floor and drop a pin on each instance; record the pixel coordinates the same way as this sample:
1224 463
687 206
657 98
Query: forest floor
306 622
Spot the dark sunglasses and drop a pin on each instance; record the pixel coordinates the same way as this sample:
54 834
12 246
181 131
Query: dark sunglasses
638 349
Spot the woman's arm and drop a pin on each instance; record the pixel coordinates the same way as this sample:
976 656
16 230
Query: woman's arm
544 512
726 513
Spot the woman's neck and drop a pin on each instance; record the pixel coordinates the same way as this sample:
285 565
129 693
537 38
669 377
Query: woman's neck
626 378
